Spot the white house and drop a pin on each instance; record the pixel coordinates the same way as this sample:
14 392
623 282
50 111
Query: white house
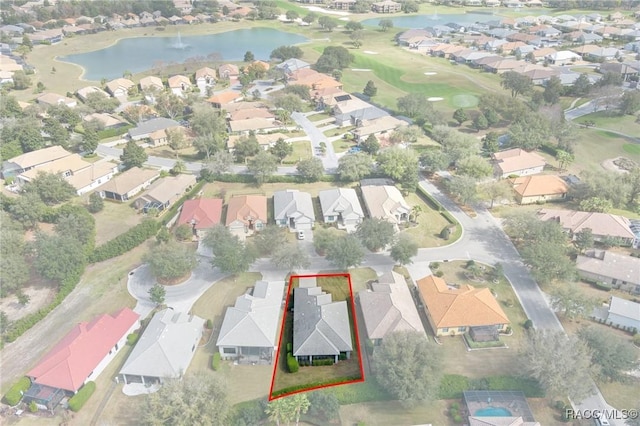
624 313
342 207
293 209
518 162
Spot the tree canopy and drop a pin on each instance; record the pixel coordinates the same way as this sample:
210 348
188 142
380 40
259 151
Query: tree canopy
52 188
286 52
133 155
375 234
345 252
332 58
517 83
171 261
263 166
611 355
404 249
311 169
400 165
355 166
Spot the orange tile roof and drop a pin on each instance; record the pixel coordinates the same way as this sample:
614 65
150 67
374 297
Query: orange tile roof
531 186
224 98
513 160
205 212
242 207
466 306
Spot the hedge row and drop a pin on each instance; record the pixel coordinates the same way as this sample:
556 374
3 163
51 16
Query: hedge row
126 241
79 399
215 361
452 385
292 363
178 204
25 323
14 395
247 178
335 381
132 339
436 205
320 362
109 133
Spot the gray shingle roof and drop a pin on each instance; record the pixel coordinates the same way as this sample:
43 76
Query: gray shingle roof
342 201
292 203
320 326
166 346
152 125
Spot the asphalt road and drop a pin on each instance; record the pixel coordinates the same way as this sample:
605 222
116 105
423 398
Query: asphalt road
329 160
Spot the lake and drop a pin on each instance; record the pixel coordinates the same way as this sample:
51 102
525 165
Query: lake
140 53
422 21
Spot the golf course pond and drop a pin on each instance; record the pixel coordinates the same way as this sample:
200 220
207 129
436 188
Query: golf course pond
423 21
140 53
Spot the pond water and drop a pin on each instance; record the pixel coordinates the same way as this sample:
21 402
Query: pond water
422 21
140 53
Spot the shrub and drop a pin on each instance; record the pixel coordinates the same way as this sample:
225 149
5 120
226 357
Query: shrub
316 385
126 241
439 274
559 405
209 324
184 232
636 339
79 399
292 364
445 233
33 407
342 357
319 362
457 418
602 286
216 359
455 406
452 386
289 347
96 203
470 263
434 265
132 339
528 324
14 395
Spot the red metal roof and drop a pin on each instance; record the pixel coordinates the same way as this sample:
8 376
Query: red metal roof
206 212
70 362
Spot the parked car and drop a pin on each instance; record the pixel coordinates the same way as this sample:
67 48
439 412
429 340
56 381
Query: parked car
354 150
301 235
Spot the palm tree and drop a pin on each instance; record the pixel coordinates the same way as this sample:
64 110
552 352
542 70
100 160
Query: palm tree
281 410
415 212
301 404
283 116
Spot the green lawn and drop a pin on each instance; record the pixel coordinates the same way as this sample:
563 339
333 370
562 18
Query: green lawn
301 151
594 146
319 117
113 213
342 145
385 413
631 148
607 120
430 222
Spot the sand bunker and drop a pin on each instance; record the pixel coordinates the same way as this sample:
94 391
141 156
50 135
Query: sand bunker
369 52
434 99
360 69
430 73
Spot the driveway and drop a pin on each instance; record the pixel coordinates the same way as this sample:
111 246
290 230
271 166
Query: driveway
329 160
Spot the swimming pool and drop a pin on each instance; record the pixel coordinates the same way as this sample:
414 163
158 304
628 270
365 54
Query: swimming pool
493 412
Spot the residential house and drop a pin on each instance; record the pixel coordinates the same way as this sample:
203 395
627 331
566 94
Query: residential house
146 128
343 4
585 49
321 327
624 313
445 50
603 54
246 214
248 113
378 127
119 88
386 202
228 72
313 79
51 36
79 357
205 77
502 66
354 111
293 209
342 207
517 162
179 84
165 349
164 192
8 64
257 124
32 160
201 214
6 77
124 186
107 121
619 270
249 329
151 83
388 307
602 225
386 6
625 70
562 57
86 91
184 6
221 99
54 99
265 140
453 310
539 189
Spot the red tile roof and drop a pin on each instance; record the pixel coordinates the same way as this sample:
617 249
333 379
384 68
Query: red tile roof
70 362
205 211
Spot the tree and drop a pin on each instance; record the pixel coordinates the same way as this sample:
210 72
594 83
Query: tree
171 261
99 102
281 411
552 90
270 238
433 160
175 140
169 104
561 363
76 222
58 256
290 257
632 180
247 146
564 159
370 145
27 210
311 169
324 404
401 165
90 141
480 122
289 102
517 83
14 270
230 254
10 107
309 18
133 155
248 56
322 239
399 366
370 89
410 7
300 404
464 188
207 122
327 23
163 235
612 355
262 166
25 132
596 204
353 26
208 145
490 143
356 38
549 261
345 252
287 52
292 15
404 249
332 58
496 190
21 80
603 185
157 294
584 239
375 234
281 149
630 102
415 105
52 188
354 167
529 131
571 302
385 24
460 116
475 167
582 86
194 400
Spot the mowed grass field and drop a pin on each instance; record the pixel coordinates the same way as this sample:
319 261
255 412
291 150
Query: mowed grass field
627 124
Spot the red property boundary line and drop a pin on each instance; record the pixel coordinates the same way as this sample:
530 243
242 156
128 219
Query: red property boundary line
284 317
